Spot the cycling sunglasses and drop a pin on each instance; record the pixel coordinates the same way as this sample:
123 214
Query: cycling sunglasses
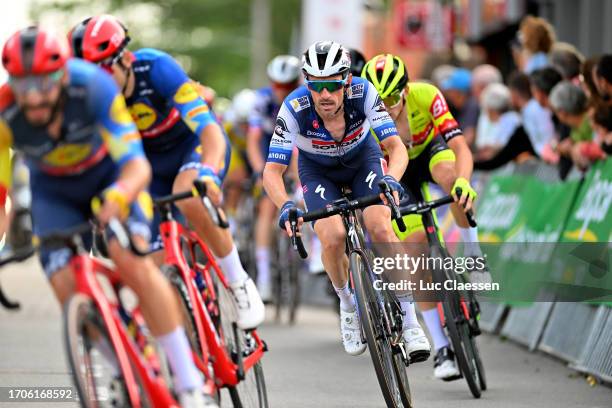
330 85
107 64
393 100
38 83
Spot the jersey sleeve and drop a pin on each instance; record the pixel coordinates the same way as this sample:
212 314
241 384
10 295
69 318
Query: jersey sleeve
6 140
256 117
432 100
283 138
381 123
172 82
113 119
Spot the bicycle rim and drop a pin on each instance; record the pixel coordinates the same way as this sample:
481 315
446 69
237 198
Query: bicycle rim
393 388
251 391
91 369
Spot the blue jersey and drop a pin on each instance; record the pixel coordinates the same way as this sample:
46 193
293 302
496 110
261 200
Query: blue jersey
265 112
299 125
165 104
95 124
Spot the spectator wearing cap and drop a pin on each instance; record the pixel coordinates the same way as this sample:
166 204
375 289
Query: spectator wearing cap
570 104
536 37
457 90
604 78
567 60
537 120
495 102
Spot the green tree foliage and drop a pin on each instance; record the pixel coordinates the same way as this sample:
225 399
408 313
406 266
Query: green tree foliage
210 38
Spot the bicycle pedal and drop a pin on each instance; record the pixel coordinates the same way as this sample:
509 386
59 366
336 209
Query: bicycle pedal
419 356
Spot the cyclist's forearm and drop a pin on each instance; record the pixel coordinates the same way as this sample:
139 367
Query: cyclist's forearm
213 146
464 162
398 157
273 183
254 149
135 177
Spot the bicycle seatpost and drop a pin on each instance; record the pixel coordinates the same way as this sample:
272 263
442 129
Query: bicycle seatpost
395 211
468 214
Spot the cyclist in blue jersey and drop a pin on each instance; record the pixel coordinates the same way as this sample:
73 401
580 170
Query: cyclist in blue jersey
70 121
329 120
284 74
181 140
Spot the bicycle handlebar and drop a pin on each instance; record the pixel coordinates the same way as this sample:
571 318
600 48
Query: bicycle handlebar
199 190
426 206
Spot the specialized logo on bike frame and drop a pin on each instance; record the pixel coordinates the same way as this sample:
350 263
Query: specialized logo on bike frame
300 103
356 91
281 128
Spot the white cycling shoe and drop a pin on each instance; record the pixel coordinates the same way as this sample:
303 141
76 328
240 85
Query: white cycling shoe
350 327
196 399
417 345
249 306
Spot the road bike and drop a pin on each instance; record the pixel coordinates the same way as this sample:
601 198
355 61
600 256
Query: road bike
380 312
231 355
459 309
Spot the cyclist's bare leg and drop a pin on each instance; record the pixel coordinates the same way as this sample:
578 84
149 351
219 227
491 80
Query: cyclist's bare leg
233 191
444 174
332 234
251 311
62 283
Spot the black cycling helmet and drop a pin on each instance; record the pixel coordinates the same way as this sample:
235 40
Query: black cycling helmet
357 62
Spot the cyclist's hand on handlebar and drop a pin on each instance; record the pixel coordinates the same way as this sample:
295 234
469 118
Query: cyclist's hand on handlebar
213 184
283 219
396 188
468 195
114 204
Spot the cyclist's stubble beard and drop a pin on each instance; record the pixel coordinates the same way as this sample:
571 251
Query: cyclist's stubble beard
328 104
40 109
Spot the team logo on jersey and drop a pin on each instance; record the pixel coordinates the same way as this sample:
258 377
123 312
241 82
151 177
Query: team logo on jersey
370 178
356 91
67 155
321 191
438 107
118 111
281 128
143 115
379 105
186 93
300 103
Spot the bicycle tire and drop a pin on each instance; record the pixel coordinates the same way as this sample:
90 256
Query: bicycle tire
171 273
458 329
251 392
479 365
395 392
79 312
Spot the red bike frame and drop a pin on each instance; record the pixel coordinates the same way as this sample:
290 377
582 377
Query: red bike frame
84 268
227 372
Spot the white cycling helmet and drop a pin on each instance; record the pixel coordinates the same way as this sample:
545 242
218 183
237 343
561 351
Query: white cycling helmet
326 58
284 69
243 104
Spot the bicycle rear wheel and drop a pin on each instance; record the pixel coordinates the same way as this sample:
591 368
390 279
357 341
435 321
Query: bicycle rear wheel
251 392
95 368
388 364
458 327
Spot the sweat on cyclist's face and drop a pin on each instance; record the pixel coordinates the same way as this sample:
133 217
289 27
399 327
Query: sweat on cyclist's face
37 95
327 102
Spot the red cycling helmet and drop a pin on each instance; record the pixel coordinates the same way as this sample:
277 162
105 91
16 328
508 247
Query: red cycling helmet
98 38
34 51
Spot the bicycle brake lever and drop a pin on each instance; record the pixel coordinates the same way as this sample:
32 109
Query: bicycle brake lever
468 214
296 241
395 211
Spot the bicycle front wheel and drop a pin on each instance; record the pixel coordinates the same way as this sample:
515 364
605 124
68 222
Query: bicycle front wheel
387 360
95 367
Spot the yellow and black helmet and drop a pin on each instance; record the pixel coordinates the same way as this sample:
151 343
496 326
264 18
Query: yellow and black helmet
387 73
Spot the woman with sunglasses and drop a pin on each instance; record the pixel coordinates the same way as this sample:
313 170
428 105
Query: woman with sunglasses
329 121
181 139
438 153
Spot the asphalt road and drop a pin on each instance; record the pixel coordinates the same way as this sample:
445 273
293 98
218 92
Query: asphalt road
305 367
